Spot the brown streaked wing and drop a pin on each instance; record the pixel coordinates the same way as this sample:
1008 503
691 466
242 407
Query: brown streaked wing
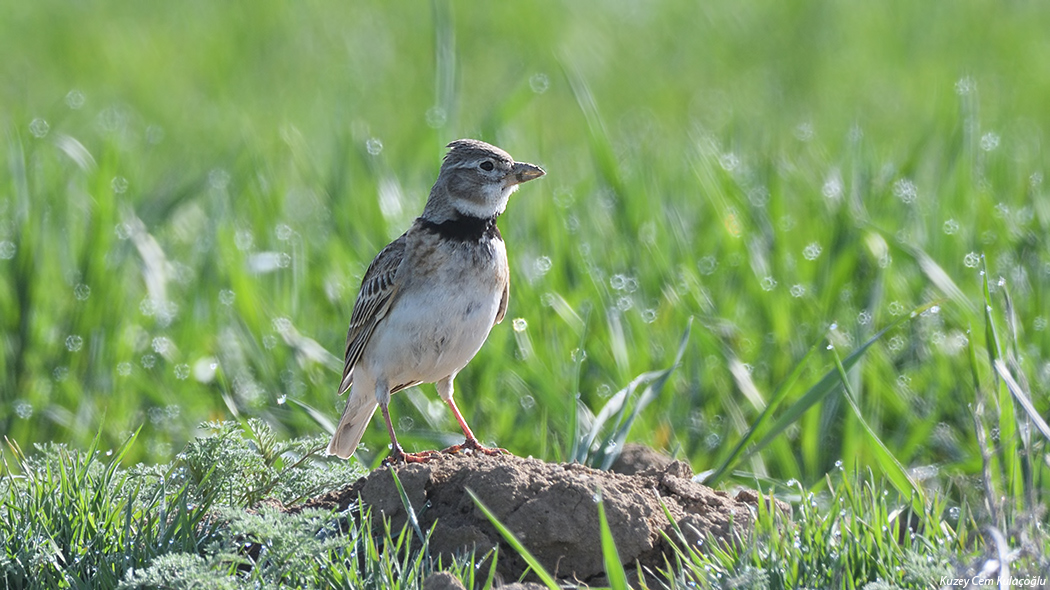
378 291
503 301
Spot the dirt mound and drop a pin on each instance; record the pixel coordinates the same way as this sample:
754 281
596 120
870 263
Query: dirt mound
552 508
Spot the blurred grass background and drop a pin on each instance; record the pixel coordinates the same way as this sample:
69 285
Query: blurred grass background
191 192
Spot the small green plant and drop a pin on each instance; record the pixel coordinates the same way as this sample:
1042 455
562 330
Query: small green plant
79 519
596 442
846 536
74 519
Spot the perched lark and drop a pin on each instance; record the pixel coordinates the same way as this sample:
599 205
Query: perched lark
429 298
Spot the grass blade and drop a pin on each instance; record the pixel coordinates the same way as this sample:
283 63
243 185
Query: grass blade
613 566
1022 398
893 469
828 384
534 564
412 519
774 402
656 386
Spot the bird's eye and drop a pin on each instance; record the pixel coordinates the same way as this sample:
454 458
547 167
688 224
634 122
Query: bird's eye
487 165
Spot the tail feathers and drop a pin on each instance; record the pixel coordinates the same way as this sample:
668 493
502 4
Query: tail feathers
358 413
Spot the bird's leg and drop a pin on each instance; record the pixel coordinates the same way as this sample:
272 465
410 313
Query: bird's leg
397 454
471 443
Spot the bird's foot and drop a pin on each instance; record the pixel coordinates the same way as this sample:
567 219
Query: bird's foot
398 456
472 446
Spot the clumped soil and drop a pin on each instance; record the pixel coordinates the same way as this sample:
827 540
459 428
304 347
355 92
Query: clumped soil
552 508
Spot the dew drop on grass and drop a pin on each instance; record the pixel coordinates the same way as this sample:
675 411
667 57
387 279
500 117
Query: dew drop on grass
284 232
758 197
804 131
374 146
729 161
542 265
281 325
520 324
832 188
707 265
60 374
905 190
7 250
812 251
122 230
74 343
269 341
156 415
75 99
989 141
162 345
148 307
965 86
119 184
527 402
951 227
39 128
579 355
539 83
436 118
226 297
798 290
82 292
244 240
406 423
148 360
624 303
649 315
124 369
23 409
182 371
769 283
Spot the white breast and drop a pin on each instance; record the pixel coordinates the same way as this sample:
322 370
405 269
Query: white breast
442 316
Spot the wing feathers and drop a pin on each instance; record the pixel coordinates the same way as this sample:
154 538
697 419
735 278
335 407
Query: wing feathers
378 292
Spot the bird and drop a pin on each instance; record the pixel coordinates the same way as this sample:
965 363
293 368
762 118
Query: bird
430 298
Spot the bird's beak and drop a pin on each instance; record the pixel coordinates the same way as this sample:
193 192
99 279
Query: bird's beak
524 172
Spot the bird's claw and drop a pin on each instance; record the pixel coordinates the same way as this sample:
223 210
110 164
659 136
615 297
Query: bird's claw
474 447
398 456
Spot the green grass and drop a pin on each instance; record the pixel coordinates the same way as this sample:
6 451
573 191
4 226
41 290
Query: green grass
190 193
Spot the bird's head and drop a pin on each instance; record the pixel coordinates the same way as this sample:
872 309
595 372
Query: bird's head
476 180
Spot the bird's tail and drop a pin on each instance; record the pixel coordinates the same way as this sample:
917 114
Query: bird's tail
360 405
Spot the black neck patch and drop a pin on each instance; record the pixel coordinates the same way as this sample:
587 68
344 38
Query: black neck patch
464 228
